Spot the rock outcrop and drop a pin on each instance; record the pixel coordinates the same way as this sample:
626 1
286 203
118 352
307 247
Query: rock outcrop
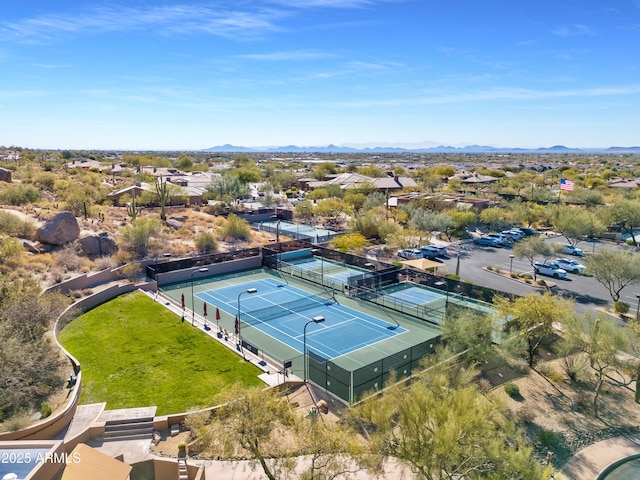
61 229
99 245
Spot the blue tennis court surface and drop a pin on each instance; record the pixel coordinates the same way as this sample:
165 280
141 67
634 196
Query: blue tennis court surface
329 269
282 311
413 296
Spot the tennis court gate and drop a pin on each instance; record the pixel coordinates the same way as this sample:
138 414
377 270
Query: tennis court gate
352 386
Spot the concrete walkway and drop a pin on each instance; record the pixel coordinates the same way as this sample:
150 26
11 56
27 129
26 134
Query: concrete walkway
592 460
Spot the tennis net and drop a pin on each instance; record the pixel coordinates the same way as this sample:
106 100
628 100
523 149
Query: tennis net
274 311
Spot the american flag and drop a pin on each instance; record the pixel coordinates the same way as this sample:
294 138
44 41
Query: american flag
566 185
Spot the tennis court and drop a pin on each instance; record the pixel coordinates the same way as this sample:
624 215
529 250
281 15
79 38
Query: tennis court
354 350
282 311
298 230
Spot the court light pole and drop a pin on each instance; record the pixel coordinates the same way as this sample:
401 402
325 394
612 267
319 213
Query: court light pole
511 257
155 271
193 305
305 358
248 290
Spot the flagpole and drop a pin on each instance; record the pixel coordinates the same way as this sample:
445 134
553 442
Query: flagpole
559 192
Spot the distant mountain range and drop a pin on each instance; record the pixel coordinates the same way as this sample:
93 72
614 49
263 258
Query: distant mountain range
439 149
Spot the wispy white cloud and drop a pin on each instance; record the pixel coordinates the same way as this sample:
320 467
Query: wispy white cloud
287 55
494 94
573 30
300 4
186 19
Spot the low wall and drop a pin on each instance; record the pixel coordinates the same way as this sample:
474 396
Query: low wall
213 269
88 280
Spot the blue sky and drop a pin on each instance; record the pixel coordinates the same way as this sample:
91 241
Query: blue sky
167 74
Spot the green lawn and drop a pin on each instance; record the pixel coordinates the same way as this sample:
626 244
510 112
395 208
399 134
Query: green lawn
135 353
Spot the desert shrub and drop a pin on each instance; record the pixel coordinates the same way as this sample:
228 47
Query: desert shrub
512 390
350 241
236 228
68 260
45 410
104 263
524 415
621 307
513 275
19 194
453 276
484 385
45 180
547 438
8 223
541 282
131 271
527 276
575 366
206 242
15 422
11 251
490 268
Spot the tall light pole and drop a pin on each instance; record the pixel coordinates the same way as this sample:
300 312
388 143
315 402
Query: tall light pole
511 264
305 358
155 271
193 306
638 307
248 290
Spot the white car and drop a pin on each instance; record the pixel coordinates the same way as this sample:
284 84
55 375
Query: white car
571 250
549 269
500 238
570 265
410 253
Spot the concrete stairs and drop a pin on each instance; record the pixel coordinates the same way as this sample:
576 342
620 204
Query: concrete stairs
183 474
128 429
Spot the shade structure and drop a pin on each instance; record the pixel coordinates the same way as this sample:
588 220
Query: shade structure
183 300
204 307
217 313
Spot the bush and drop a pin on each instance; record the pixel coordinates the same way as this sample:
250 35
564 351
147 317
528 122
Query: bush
541 282
484 385
19 194
547 438
575 366
620 307
525 415
236 228
206 242
45 410
512 390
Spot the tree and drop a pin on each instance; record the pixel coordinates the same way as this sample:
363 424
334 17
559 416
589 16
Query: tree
247 425
470 331
495 218
532 317
624 213
349 241
445 429
603 341
430 221
614 269
139 234
462 219
530 248
577 223
227 188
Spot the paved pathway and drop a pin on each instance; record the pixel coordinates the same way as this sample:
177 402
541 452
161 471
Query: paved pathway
590 461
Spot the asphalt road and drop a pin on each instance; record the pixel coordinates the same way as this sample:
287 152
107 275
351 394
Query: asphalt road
585 290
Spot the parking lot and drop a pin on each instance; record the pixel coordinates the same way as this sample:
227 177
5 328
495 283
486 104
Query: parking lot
586 291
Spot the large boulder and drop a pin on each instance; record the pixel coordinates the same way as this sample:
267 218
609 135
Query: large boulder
60 229
5 175
98 245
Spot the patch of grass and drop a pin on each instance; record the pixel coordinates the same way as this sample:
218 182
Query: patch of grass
136 353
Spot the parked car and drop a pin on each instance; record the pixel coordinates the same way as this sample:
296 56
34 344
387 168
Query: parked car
442 251
410 253
500 237
570 265
429 252
528 231
488 241
571 250
513 234
550 269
